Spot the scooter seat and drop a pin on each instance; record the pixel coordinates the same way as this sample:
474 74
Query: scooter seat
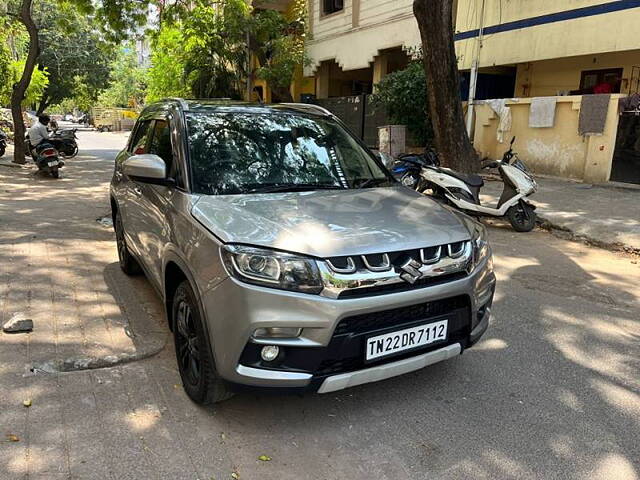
470 179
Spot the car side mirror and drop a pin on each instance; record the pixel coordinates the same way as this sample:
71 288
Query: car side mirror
146 168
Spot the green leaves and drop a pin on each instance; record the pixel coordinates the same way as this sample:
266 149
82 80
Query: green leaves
404 96
204 50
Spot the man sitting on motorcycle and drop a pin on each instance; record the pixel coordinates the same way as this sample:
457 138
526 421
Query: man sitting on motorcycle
39 136
39 131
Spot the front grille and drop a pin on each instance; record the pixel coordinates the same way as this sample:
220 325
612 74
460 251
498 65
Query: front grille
369 322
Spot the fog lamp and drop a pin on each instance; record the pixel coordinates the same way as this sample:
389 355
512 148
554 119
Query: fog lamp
277 332
269 353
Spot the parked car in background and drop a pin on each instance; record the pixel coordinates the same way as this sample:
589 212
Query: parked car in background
287 255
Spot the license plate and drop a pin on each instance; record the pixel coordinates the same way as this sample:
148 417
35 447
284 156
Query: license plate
53 164
407 339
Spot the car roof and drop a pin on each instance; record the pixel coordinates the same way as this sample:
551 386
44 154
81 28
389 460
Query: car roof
234 106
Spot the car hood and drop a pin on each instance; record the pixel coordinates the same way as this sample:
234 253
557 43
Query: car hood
331 223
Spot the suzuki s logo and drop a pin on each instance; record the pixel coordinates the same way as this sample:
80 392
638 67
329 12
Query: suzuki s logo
411 271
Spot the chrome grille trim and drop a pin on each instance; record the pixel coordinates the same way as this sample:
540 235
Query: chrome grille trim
455 253
434 259
351 266
385 266
337 280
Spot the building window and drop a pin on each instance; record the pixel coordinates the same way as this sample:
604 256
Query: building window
607 80
332 6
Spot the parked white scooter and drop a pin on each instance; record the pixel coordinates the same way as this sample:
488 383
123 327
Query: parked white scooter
463 191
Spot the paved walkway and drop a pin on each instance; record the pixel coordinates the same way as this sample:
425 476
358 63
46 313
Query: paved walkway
58 266
604 215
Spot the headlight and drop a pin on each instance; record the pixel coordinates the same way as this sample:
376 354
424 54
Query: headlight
268 268
480 244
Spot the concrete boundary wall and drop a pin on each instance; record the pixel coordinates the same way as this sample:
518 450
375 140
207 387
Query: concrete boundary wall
559 151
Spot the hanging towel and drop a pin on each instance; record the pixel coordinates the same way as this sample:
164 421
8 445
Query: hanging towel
593 114
542 113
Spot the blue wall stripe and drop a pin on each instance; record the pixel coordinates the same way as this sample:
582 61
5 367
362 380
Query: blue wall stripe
552 18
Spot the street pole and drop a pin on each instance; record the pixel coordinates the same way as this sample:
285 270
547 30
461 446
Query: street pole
473 77
249 86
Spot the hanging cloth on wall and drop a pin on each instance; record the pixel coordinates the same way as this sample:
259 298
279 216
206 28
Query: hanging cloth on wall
593 114
499 106
542 113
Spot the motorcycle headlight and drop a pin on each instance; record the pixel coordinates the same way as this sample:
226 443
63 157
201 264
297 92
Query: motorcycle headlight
273 269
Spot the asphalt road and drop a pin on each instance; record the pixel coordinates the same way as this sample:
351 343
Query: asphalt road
552 391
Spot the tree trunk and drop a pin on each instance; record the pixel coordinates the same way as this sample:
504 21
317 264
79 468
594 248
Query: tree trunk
443 85
20 88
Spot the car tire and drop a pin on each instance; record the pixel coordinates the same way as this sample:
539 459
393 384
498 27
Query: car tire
128 263
195 361
522 217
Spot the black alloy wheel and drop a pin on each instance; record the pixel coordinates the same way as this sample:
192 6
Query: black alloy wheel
187 350
195 360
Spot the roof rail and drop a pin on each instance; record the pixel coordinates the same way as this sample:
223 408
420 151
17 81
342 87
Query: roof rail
183 104
310 106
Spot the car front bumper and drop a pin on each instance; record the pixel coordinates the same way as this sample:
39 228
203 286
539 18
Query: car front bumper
327 356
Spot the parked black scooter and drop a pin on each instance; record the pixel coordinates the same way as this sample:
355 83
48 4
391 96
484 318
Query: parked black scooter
3 142
65 141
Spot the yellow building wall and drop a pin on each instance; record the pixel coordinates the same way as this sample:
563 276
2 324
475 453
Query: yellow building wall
558 151
551 77
608 32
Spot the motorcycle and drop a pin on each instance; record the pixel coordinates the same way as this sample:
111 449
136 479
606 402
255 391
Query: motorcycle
463 190
65 141
3 142
47 160
407 167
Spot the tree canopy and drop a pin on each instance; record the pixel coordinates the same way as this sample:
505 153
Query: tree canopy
74 53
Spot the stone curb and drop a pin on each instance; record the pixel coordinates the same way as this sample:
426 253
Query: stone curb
76 364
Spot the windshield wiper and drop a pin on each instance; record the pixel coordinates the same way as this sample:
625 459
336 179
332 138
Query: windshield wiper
293 187
372 182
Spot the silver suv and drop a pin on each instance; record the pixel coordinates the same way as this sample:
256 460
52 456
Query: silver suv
287 255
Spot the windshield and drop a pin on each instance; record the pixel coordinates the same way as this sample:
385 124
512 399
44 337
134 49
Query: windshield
235 153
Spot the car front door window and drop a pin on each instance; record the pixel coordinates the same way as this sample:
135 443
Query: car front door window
161 144
141 136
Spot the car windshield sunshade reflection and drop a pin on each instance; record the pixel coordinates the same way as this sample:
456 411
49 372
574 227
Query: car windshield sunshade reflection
236 153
